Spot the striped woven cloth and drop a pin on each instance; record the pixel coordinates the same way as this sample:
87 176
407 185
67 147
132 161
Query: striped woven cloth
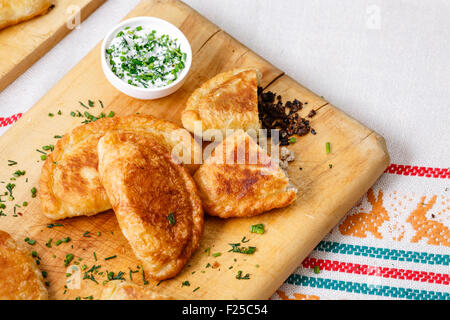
394 244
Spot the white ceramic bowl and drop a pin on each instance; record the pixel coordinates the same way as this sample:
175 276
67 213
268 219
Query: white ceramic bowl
161 27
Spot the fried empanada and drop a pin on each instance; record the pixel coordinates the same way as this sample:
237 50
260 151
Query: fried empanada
227 101
20 278
69 185
239 179
127 290
15 11
155 201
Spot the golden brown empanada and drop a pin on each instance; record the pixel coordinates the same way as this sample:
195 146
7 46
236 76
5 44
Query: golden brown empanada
69 185
239 179
127 290
20 278
15 11
227 101
155 201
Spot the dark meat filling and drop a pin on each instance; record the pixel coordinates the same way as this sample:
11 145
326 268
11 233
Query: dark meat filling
284 117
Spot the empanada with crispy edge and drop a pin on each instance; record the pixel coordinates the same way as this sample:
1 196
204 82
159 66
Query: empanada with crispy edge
20 278
227 101
155 201
240 179
14 11
69 185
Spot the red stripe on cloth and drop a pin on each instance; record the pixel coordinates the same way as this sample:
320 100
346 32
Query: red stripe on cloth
9 120
406 170
364 269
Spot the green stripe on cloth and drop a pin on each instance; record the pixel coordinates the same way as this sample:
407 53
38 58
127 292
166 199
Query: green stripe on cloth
364 288
384 253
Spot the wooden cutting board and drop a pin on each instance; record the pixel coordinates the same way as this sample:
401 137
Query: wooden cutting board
358 157
23 44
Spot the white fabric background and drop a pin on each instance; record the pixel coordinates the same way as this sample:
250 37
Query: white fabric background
385 62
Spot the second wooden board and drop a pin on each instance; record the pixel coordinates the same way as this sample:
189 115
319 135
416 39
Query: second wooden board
23 44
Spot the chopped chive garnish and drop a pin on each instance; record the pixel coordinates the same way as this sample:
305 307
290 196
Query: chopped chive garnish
195 289
95 256
292 140
328 147
19 173
51 225
68 260
240 277
217 254
112 257
171 219
57 137
91 103
83 105
257 228
11 163
236 247
10 187
33 192
50 114
185 283
111 114
143 277
101 103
